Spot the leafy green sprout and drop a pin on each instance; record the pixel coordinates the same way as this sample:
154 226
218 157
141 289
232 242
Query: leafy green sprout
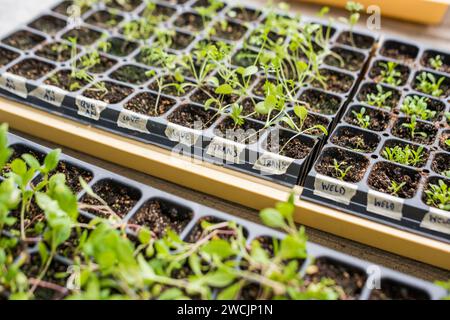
436 62
405 155
354 9
389 73
418 106
438 195
395 187
412 127
341 169
362 118
427 83
380 98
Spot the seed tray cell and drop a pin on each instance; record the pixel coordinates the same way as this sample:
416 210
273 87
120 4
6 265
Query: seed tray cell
123 70
185 216
369 195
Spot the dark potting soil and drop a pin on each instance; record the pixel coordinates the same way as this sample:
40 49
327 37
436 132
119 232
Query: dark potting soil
115 94
377 69
384 173
170 90
198 232
285 145
181 40
23 40
400 51
401 131
392 290
361 41
204 93
34 220
104 19
244 14
248 107
160 11
347 159
379 120
55 51
73 174
335 81
244 57
121 48
18 151
310 121
48 24
190 22
349 278
445 58
32 69
84 36
231 31
174 2
321 102
120 198
64 80
370 88
355 139
444 137
128 5
256 39
145 102
207 3
130 74
351 60
189 115
6 56
104 65
247 133
441 163
63 8
70 247
158 216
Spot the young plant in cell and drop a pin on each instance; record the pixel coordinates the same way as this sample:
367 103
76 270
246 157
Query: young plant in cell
362 118
395 187
354 9
412 128
436 62
380 98
405 155
389 73
418 106
208 12
438 195
429 84
341 169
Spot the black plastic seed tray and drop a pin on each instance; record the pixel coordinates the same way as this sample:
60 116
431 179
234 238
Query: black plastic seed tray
32 53
366 195
189 215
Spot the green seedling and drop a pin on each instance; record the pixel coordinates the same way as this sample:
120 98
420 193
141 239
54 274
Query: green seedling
438 195
379 99
341 169
395 187
418 106
362 118
405 155
427 83
389 73
412 127
436 62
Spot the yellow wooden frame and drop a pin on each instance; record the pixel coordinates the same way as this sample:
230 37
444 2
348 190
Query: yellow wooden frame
217 181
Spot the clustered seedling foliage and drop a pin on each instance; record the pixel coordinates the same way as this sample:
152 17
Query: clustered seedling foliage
411 126
380 98
427 83
405 155
418 106
362 118
438 195
341 169
114 265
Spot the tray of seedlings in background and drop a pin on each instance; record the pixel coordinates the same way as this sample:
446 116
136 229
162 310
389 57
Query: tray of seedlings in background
173 248
388 158
244 88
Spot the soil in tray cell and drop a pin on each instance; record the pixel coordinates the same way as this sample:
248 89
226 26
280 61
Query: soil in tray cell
55 51
23 40
244 57
423 107
73 174
190 22
436 193
256 39
115 93
48 24
229 30
103 64
160 215
444 141
63 8
246 133
334 81
284 143
368 118
333 162
120 198
162 13
393 290
359 40
405 153
6 56
389 72
18 151
436 60
121 48
419 131
259 88
84 36
441 164
349 280
204 93
64 80
204 227
104 19
31 69
218 5
248 110
243 14
129 5
350 60
180 40
310 121
189 116
356 140
130 74
379 96
53 284
34 220
432 84
173 90
145 103
394 180
321 102
404 52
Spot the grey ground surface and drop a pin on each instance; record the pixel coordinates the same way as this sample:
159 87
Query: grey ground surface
14 12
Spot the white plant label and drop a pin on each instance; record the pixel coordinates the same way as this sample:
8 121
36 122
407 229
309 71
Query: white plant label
14 84
90 108
334 189
384 204
437 220
133 121
273 163
225 149
49 94
183 135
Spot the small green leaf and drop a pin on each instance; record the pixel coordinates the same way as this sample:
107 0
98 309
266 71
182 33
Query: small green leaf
220 248
301 112
249 71
31 161
144 235
51 160
218 279
272 218
224 89
230 293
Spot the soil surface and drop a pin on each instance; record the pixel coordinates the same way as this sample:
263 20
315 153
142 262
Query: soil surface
377 69
350 279
115 94
244 58
384 173
55 51
444 137
181 40
310 121
204 93
248 107
170 90
232 31
244 14
63 79
207 3
120 198
23 40
190 22
391 290
441 163
247 133
130 74
159 216
130 5
188 115
85 36
64 6
379 120
73 174
162 12
104 19
6 56
400 131
255 39
197 231
358 164
356 140
48 24
297 148
352 60
370 88
321 102
445 58
144 103
121 48
104 65
32 69
335 81
361 41
34 220
400 51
